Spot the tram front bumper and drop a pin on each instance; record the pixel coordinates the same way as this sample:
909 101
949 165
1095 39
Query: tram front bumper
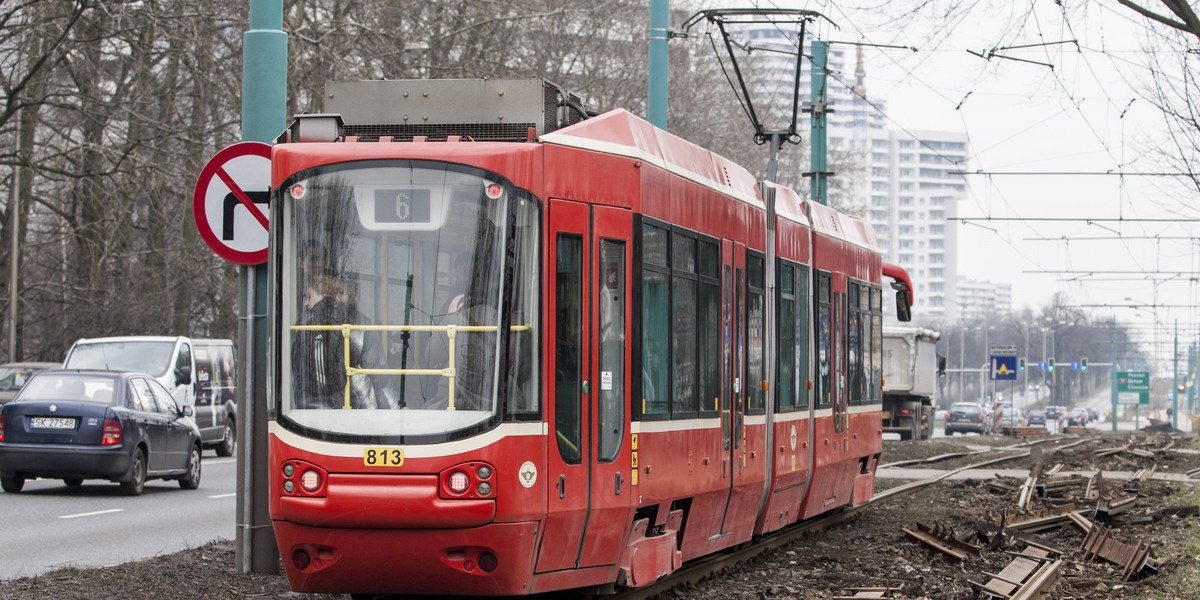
495 559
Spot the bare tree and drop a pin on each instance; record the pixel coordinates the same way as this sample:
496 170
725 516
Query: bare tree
1184 17
123 102
122 127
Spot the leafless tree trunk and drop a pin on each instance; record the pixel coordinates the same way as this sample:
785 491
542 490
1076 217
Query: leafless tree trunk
127 100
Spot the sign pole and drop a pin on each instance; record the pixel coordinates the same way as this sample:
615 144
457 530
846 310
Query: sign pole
1002 362
264 115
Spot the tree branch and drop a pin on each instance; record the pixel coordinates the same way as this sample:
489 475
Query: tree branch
1184 27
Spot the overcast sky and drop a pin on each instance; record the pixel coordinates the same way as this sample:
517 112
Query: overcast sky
1078 116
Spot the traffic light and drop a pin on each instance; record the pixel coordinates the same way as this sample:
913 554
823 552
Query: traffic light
1050 364
1083 364
1021 364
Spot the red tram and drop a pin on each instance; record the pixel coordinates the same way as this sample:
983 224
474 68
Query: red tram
576 358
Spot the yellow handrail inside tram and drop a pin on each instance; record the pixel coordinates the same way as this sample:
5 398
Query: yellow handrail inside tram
451 332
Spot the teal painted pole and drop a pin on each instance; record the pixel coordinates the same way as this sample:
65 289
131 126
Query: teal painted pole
1113 375
264 73
1189 374
1175 379
264 116
656 89
818 188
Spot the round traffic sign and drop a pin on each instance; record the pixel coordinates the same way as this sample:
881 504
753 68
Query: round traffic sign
231 200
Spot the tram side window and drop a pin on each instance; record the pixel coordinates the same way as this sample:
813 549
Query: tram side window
610 426
655 320
522 394
868 341
801 337
708 327
792 391
854 336
876 344
568 371
683 309
755 334
681 322
824 341
785 390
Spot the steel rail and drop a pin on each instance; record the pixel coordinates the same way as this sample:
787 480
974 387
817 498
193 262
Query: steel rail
702 568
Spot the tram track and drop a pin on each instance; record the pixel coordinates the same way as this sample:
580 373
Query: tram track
705 567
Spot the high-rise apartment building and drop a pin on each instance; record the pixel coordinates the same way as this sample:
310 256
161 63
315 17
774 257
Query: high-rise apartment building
912 201
983 300
904 186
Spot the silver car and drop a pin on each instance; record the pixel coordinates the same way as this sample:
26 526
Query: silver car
14 375
965 416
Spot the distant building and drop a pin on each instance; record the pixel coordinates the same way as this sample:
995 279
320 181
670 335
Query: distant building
906 187
982 300
912 200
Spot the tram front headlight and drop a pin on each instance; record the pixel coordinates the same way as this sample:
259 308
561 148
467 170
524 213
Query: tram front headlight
459 482
469 480
310 481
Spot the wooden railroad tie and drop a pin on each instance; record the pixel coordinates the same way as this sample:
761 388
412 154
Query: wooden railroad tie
867 592
1026 432
1030 574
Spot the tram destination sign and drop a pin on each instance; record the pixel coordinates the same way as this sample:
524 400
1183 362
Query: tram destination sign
1133 387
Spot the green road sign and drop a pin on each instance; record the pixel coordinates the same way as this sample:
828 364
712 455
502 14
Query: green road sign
1133 387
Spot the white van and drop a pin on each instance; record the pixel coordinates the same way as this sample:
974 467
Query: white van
199 373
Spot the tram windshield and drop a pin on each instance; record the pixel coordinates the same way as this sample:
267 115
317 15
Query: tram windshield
406 301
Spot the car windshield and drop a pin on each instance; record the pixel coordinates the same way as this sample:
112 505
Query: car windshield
76 387
431 270
153 357
965 409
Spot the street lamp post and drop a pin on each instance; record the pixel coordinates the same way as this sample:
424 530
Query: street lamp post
987 354
962 363
1044 330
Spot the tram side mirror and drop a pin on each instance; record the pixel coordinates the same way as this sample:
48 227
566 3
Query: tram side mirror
903 310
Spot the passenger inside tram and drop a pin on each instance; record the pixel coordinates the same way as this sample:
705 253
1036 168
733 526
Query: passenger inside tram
318 356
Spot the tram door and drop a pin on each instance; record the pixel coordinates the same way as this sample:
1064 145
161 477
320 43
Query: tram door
841 393
588 464
733 380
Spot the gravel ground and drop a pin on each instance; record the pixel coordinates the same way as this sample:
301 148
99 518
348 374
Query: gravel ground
869 550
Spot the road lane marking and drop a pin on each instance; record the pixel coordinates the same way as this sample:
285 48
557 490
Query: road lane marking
222 496
92 514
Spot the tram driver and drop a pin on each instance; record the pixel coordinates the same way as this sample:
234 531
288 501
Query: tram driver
318 357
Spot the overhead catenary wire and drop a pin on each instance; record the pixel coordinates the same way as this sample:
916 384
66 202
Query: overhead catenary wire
1087 48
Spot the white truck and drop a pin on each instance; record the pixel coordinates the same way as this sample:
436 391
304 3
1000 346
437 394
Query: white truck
911 367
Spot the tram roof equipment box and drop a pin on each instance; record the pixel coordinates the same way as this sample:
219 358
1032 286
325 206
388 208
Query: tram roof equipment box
482 109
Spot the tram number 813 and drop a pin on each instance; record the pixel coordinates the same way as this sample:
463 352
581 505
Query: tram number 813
383 457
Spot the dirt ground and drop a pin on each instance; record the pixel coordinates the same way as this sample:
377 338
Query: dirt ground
869 550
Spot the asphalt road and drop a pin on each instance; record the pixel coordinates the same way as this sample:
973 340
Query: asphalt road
49 525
